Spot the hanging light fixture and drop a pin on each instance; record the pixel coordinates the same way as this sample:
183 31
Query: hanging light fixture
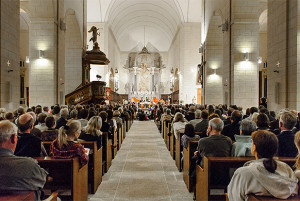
144 53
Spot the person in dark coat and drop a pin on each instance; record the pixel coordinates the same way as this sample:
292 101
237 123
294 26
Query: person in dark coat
234 127
62 121
287 147
28 144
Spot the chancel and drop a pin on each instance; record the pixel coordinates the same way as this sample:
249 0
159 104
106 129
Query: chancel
150 100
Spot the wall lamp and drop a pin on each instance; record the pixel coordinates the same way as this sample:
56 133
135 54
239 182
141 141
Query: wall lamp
41 54
27 59
259 60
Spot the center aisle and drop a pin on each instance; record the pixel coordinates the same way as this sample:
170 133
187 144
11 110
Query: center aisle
143 170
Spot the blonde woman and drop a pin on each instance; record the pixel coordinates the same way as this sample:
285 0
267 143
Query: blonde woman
91 132
66 145
297 165
178 124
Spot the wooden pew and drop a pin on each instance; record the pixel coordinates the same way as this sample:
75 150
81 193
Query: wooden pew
66 174
188 153
204 174
95 164
17 196
167 137
114 144
172 145
163 129
119 137
106 151
178 150
127 125
252 197
124 130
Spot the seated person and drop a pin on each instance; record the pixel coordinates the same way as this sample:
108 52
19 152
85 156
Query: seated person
202 126
62 121
234 127
265 175
92 131
189 135
18 173
197 119
83 116
116 116
41 119
287 148
178 124
297 165
242 145
28 144
51 133
66 146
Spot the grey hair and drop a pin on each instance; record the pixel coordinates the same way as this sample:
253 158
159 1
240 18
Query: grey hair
288 120
254 117
248 127
74 113
33 116
198 113
7 129
216 124
64 112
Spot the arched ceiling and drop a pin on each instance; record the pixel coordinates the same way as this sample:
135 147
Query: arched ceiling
133 21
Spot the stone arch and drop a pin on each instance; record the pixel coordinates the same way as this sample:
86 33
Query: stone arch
73 52
112 80
214 61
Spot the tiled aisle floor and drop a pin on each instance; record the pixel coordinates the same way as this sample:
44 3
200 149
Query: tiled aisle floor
143 170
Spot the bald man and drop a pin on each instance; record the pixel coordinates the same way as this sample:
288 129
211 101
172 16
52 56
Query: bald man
17 173
28 144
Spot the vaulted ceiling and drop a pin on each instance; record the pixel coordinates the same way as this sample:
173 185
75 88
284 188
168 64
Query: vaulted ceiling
135 21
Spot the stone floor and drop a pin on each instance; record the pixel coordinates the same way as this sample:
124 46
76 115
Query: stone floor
143 170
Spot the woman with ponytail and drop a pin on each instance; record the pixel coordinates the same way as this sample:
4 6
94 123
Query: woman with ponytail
66 145
265 175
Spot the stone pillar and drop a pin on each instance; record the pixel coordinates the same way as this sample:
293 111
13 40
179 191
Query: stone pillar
283 54
10 54
244 53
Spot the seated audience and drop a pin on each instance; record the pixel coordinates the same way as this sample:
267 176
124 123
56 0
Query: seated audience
242 145
110 120
2 114
35 131
83 117
166 116
46 110
234 127
74 114
105 126
41 119
197 119
252 111
92 131
28 144
203 125
189 135
51 133
191 113
265 175
66 145
62 121
263 122
18 173
178 124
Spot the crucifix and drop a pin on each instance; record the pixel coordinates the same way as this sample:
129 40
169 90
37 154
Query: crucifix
8 63
278 64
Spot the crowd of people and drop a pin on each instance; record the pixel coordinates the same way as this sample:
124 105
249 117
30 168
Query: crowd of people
220 130
23 131
226 131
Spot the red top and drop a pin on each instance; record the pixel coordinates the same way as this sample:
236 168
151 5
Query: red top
71 150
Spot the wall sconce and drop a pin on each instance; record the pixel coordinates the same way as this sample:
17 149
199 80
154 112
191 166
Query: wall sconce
259 60
41 54
246 56
215 71
27 59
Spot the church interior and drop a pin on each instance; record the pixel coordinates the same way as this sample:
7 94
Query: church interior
145 60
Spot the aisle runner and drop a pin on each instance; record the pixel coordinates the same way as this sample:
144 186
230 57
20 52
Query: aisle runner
143 170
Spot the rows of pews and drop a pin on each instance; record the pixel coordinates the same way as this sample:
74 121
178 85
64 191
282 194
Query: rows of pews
67 175
205 188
